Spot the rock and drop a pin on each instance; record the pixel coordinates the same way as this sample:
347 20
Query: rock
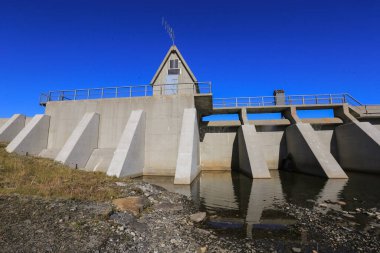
348 216
198 217
314 251
202 249
121 184
323 205
341 203
131 204
296 250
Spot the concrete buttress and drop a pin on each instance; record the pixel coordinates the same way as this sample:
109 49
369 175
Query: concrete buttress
81 143
308 153
251 158
33 138
129 157
188 160
12 127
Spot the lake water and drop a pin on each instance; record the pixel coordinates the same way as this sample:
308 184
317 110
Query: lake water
240 202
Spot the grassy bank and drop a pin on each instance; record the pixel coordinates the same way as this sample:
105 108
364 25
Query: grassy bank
43 177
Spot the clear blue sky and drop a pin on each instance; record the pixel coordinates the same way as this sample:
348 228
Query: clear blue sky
246 48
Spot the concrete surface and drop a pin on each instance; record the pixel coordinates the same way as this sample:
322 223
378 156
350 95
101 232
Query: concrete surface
100 159
188 162
129 157
251 158
12 127
359 147
308 153
81 143
33 137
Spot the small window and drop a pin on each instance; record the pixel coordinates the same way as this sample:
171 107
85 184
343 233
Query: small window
174 64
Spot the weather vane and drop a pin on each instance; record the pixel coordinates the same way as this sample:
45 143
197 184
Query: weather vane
168 29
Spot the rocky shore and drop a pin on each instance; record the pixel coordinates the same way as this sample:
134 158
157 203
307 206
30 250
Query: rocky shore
151 219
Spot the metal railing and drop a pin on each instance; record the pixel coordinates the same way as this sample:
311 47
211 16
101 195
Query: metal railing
126 91
320 99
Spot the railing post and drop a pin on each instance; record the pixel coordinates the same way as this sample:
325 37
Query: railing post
145 88
75 94
303 100
330 99
116 92
88 93
130 91
249 101
236 101
262 101
102 94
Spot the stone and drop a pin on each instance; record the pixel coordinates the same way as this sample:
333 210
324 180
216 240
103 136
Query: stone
202 249
348 216
121 184
341 203
135 205
296 250
198 217
322 205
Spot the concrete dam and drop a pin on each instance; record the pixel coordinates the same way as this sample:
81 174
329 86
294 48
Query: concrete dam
160 129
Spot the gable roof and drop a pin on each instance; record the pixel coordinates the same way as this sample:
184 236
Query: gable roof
173 49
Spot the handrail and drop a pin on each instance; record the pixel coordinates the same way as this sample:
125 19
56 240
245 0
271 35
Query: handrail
125 91
286 100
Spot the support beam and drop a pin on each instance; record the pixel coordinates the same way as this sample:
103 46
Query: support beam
309 155
129 157
359 147
12 127
344 114
251 158
81 143
291 115
243 117
33 138
188 161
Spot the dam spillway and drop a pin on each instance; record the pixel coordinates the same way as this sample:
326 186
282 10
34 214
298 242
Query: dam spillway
159 129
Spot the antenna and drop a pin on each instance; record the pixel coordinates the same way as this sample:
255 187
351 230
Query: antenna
168 29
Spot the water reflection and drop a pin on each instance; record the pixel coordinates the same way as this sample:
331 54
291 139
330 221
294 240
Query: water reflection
238 201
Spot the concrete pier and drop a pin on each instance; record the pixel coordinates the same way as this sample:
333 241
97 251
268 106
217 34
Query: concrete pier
33 137
129 156
12 127
359 147
308 154
81 143
188 161
251 158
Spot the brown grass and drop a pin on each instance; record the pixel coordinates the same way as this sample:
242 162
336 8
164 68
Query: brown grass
43 177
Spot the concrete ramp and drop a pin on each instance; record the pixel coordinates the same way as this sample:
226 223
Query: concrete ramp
12 127
81 143
129 157
33 138
188 160
100 159
359 147
308 153
49 153
251 157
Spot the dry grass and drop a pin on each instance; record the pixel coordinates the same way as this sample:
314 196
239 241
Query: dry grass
43 177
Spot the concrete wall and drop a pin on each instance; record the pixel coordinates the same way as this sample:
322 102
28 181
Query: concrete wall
359 147
163 121
308 154
3 120
219 147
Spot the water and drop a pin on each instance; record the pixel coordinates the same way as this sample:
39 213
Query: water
237 202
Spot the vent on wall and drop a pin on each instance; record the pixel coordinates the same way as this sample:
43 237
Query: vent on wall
174 67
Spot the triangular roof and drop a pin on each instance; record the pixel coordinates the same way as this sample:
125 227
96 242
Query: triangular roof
173 49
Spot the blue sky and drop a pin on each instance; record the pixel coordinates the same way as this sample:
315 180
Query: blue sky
246 48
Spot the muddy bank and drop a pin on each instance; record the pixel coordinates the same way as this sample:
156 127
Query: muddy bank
34 224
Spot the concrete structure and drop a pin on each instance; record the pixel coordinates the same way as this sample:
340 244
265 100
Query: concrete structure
251 159
33 137
188 160
160 129
129 157
12 127
81 143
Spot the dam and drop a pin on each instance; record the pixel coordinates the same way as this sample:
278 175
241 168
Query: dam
162 129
